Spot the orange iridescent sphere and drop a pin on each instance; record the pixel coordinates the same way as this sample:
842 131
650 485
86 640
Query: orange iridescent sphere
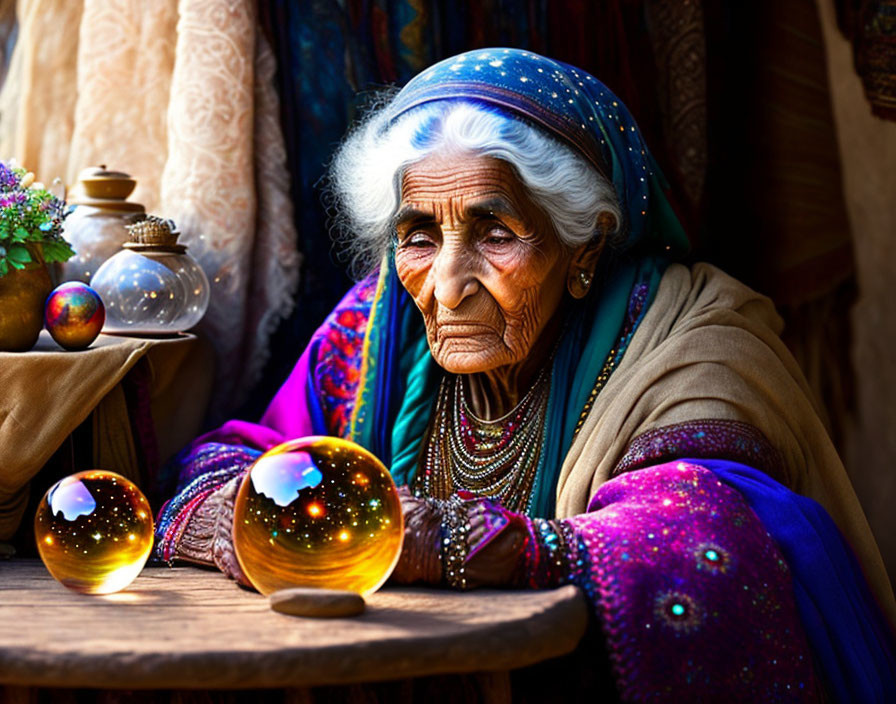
94 531
317 512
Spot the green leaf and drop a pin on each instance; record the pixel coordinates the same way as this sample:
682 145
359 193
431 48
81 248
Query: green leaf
20 234
18 254
4 269
14 264
57 251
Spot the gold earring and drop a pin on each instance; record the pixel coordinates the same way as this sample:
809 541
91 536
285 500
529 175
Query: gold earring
579 284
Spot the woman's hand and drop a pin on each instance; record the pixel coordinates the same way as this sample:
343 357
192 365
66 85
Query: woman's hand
420 559
497 538
493 541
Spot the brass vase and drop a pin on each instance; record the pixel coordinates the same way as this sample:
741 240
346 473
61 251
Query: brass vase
23 293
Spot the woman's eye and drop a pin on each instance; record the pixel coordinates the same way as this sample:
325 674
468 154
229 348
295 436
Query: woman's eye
418 239
498 236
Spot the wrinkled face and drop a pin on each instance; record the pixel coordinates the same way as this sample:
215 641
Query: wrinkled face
480 260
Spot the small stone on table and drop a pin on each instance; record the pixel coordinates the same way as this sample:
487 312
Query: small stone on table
317 603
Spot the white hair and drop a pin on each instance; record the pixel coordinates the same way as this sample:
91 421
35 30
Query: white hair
365 177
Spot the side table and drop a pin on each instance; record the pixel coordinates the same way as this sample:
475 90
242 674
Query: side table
48 392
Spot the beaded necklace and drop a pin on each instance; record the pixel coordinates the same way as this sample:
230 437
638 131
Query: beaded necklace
497 458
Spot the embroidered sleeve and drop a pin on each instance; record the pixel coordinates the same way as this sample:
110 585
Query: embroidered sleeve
337 371
702 439
188 524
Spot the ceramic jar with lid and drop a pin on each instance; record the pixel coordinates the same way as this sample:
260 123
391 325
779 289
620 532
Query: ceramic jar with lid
152 286
96 226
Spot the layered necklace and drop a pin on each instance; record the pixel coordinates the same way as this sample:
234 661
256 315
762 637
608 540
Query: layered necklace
494 458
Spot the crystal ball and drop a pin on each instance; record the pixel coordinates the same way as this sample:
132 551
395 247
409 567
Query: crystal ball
318 512
94 531
74 315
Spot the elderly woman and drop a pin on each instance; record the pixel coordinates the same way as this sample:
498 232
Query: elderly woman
564 404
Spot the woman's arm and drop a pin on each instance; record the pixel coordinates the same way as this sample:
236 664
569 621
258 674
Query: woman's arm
195 524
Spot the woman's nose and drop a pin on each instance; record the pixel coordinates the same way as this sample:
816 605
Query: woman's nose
455 277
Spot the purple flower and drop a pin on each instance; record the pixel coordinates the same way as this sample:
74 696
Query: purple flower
13 198
9 179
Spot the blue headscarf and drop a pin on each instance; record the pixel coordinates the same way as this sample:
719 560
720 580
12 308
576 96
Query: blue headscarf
400 378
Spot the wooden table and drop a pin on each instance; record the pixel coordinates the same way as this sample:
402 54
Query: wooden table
188 628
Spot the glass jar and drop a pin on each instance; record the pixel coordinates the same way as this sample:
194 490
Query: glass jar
96 227
152 286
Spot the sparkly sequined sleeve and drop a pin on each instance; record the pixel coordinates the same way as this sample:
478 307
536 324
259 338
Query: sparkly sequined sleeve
690 591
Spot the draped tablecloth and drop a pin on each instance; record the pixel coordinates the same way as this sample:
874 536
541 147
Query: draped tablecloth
48 392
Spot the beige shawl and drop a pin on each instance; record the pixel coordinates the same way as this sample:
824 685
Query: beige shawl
708 348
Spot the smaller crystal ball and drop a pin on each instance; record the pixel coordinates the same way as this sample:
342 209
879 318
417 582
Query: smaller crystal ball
74 315
94 531
318 512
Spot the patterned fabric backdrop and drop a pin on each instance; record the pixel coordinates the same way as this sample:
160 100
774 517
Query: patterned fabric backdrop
871 26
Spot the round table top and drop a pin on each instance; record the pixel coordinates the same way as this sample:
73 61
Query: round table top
190 628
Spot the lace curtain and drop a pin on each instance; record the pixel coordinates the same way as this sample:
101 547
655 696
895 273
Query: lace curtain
180 95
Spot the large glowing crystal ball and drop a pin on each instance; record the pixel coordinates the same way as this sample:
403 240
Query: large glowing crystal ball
317 512
94 531
74 315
